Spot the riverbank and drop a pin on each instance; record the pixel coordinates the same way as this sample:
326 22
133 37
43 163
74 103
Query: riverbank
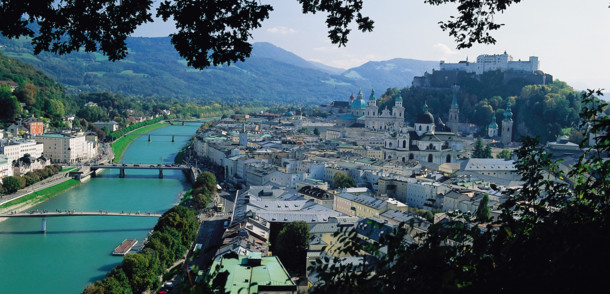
120 145
28 201
84 244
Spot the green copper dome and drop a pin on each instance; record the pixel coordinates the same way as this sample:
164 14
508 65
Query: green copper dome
398 99
493 124
508 114
358 104
425 117
372 97
360 96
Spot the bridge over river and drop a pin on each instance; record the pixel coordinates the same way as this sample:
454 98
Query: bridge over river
45 214
191 171
157 135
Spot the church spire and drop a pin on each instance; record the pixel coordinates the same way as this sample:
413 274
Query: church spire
455 88
508 114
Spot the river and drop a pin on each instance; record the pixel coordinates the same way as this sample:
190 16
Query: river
76 251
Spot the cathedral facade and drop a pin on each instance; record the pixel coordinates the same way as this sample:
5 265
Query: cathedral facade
366 114
423 142
385 120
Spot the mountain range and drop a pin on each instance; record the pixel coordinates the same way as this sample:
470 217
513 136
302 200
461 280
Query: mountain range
271 75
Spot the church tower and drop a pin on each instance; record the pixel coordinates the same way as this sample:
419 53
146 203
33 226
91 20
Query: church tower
371 112
507 125
454 111
398 112
492 129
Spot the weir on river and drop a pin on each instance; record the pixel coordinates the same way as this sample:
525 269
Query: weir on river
76 251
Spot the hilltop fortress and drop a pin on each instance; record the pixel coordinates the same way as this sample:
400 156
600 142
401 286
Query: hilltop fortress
452 73
485 62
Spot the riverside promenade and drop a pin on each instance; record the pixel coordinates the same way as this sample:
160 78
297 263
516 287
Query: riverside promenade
105 153
46 183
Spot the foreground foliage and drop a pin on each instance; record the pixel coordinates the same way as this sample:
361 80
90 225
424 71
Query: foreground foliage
550 236
139 272
291 246
209 31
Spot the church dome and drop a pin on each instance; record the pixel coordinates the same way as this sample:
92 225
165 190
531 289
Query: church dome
289 113
493 124
372 97
425 117
398 99
359 102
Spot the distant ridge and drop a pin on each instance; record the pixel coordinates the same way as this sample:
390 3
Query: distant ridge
271 75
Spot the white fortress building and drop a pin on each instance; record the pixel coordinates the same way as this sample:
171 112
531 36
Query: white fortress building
485 62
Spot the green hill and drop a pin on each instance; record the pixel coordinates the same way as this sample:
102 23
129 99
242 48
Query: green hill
39 94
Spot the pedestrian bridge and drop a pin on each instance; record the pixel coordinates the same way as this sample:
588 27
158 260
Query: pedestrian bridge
81 213
58 213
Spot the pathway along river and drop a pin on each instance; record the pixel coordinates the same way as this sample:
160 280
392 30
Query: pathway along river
76 251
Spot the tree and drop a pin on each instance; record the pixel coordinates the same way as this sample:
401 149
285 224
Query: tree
342 180
479 151
138 270
202 200
206 179
95 288
9 106
483 209
55 108
504 154
316 131
11 184
209 31
487 151
291 246
26 94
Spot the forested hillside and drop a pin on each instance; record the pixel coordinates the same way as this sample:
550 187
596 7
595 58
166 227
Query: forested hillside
40 95
545 111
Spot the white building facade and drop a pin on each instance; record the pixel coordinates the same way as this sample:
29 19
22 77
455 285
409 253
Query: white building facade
67 148
6 167
17 149
486 62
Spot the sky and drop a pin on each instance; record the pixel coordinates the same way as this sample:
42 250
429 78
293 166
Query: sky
570 37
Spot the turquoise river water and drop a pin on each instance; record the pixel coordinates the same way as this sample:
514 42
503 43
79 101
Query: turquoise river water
76 251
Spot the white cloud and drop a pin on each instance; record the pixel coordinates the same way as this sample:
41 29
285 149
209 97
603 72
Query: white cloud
372 57
348 63
444 49
281 30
